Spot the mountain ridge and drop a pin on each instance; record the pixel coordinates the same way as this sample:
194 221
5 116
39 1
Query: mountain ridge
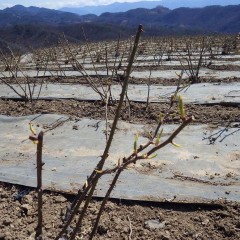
23 27
125 6
210 18
19 14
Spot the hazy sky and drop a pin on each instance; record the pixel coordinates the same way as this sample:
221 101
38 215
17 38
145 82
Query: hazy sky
55 4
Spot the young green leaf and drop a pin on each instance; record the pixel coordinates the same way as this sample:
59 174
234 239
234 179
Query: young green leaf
32 129
181 107
153 156
160 117
135 144
159 137
176 145
85 184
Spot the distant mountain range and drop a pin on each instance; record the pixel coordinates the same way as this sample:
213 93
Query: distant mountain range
125 6
21 27
211 18
34 15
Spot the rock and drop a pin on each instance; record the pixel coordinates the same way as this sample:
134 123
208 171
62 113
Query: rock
60 199
63 238
48 226
197 236
30 220
26 208
45 111
125 229
3 195
27 199
75 127
75 105
111 205
2 237
154 224
196 219
161 216
189 232
7 222
30 230
205 222
222 214
221 226
69 230
165 236
45 199
102 230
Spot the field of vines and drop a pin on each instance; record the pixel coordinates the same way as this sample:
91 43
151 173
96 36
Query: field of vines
125 139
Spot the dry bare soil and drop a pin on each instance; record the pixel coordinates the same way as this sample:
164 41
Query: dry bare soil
121 219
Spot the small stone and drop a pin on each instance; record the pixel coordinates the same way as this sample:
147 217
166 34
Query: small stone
30 230
176 119
27 199
75 127
102 230
30 220
26 208
205 222
154 224
161 216
3 195
75 105
196 219
60 199
125 230
229 175
224 228
45 111
197 236
45 199
223 214
63 238
235 125
110 205
2 237
165 236
48 226
7 222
